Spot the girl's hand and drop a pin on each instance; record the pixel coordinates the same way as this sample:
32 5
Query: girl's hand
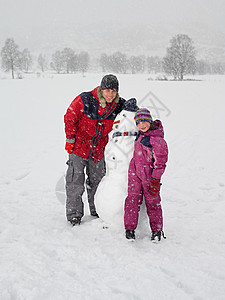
154 186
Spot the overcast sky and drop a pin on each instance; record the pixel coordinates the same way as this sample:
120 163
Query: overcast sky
34 13
30 18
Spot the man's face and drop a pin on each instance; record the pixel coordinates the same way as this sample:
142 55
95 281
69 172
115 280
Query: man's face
109 95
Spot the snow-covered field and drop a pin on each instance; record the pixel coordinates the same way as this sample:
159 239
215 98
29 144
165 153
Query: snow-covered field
43 257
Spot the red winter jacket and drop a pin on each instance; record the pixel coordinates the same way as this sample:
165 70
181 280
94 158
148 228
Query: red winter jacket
90 123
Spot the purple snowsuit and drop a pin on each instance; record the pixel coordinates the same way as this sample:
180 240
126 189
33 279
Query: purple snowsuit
149 160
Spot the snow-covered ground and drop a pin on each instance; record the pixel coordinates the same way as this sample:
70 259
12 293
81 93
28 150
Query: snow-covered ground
43 257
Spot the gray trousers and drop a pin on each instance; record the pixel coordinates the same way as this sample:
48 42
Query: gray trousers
75 184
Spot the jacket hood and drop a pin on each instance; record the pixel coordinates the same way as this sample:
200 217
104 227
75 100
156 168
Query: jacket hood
158 131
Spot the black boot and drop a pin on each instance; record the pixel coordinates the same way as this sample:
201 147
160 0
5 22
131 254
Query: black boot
94 214
75 221
130 234
93 211
156 236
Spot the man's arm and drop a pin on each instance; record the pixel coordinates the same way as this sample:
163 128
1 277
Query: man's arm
72 116
129 105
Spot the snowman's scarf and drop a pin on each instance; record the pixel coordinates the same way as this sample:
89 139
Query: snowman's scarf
125 133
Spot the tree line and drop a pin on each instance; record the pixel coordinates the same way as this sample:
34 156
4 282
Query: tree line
180 60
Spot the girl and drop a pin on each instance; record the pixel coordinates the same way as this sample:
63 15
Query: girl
144 175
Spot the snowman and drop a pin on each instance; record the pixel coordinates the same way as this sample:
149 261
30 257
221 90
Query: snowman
112 190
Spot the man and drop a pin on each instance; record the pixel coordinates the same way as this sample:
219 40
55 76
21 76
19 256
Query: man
88 121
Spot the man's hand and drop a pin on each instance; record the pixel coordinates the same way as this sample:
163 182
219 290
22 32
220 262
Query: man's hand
69 147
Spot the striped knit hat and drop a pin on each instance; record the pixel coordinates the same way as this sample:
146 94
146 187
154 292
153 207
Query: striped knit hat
142 115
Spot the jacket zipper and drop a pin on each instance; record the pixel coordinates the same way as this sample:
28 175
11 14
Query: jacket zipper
98 133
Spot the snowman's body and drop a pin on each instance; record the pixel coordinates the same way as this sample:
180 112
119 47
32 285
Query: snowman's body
112 190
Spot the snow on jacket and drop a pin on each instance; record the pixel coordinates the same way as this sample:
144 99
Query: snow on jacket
150 153
89 120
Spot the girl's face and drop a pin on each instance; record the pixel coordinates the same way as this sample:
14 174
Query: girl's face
109 95
143 126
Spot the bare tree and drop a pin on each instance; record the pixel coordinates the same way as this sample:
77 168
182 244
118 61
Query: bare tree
42 62
26 60
10 56
57 63
83 61
154 64
68 57
137 64
104 62
119 62
180 58
74 64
